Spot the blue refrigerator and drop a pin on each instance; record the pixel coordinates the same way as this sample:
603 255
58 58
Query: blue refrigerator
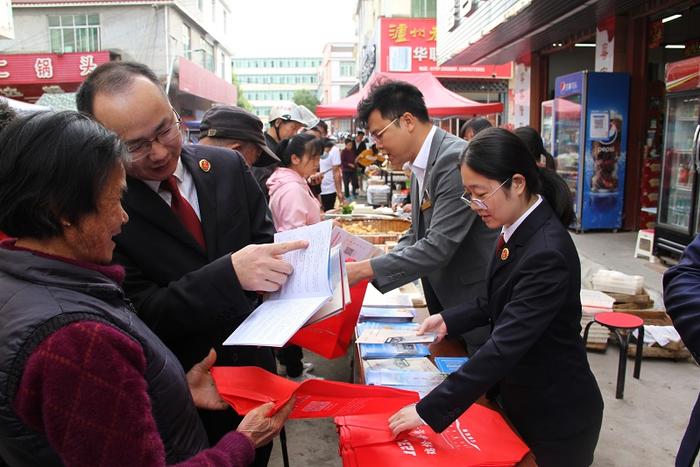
590 144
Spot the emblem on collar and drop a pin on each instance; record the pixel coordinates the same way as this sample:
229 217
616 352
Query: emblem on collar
205 165
504 254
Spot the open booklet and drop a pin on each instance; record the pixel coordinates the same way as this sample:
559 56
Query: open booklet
318 288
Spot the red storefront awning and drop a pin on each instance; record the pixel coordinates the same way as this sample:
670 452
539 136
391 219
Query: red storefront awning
28 76
194 79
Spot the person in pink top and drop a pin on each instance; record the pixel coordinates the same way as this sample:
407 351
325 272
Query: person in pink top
293 205
291 201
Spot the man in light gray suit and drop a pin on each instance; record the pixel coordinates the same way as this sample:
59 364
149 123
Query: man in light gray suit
447 246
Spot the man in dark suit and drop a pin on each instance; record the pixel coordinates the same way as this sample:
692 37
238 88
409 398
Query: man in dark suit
682 300
195 248
446 246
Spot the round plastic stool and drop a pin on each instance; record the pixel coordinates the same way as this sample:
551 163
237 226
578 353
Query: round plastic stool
621 324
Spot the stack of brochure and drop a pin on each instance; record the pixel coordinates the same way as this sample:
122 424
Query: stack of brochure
387 315
448 365
390 350
399 372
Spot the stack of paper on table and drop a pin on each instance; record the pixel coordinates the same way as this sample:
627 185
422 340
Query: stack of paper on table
387 315
375 299
317 289
372 351
592 303
393 333
400 371
617 282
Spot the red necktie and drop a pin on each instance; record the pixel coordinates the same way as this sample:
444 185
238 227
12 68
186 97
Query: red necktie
183 210
501 244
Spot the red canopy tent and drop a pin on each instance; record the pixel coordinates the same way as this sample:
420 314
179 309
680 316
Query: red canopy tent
441 102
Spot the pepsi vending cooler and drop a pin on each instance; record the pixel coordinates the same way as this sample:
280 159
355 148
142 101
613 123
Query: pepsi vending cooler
590 144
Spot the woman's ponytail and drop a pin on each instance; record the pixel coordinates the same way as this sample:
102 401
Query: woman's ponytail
555 190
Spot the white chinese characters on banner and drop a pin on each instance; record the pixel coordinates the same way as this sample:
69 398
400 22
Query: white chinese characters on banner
520 115
87 64
43 67
604 50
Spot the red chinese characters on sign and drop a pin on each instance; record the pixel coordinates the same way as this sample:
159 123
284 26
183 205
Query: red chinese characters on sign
18 69
43 68
410 45
27 76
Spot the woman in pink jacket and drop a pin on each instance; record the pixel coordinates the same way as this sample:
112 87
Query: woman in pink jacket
291 201
293 205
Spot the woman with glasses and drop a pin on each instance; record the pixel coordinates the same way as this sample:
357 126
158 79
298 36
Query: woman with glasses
534 361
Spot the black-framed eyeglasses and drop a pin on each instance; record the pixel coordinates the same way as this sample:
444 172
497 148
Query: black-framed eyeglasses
140 149
478 203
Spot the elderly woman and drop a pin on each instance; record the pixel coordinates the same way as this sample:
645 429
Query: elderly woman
83 381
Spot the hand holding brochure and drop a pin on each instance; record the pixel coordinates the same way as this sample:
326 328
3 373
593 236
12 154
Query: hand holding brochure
307 289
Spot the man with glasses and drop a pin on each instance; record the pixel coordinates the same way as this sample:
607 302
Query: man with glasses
195 247
447 246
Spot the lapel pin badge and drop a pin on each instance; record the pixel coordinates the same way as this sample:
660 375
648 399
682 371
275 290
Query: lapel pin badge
205 165
504 254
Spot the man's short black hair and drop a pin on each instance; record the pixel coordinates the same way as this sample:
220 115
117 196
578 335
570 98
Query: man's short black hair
360 132
392 99
327 143
477 124
348 140
110 78
53 167
323 126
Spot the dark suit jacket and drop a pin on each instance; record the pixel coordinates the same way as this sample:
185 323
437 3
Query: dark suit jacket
682 300
447 245
191 298
535 352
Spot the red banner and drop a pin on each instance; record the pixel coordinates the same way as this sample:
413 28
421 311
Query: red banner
409 45
27 75
247 387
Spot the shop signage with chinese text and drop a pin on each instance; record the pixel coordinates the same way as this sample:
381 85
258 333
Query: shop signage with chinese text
409 45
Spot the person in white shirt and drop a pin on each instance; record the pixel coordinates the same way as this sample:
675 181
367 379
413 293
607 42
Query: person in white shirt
446 246
331 185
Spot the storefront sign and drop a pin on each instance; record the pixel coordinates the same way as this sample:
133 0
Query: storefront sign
409 45
49 68
605 45
520 115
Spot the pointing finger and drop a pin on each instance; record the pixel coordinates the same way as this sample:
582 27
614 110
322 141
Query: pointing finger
279 248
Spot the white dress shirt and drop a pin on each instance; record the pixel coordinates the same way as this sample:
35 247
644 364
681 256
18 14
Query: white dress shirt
510 230
185 184
420 163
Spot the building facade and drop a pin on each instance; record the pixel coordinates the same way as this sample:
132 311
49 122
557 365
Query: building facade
401 36
550 40
266 81
186 43
337 78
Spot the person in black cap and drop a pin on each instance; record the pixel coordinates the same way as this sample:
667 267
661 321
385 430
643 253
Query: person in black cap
235 128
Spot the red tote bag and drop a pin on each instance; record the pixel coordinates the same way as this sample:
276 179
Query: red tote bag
480 437
330 337
247 387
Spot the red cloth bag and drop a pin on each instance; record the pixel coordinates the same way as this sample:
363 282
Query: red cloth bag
480 437
330 337
247 387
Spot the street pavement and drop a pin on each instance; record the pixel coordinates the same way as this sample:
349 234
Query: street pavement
643 429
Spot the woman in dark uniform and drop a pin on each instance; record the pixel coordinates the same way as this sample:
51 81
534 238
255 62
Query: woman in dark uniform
535 357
